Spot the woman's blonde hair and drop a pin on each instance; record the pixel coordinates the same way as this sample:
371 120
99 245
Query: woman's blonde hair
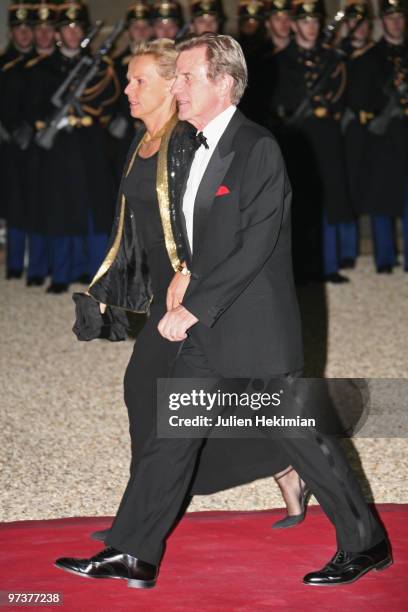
164 52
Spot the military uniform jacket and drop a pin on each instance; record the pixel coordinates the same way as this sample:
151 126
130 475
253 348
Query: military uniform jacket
74 178
378 163
13 202
312 146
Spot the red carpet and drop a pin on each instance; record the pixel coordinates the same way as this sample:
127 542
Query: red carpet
220 561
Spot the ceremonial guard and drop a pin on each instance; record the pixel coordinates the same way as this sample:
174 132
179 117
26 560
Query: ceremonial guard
252 38
122 128
358 26
261 59
278 23
375 126
167 16
44 18
21 33
304 111
74 188
12 205
251 27
207 16
353 45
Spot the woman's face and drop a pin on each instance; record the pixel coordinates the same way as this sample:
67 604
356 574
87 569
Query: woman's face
147 91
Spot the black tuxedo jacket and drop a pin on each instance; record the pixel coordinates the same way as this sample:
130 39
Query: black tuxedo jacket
242 288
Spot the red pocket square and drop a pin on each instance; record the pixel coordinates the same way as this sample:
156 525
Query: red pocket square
222 190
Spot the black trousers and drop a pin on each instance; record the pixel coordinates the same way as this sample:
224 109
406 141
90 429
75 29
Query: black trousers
223 463
161 479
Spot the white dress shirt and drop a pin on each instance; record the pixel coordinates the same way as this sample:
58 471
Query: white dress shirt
213 132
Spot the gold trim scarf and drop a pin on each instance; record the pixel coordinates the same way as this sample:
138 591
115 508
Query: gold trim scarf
162 189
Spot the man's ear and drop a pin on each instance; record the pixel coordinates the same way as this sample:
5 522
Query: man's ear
225 84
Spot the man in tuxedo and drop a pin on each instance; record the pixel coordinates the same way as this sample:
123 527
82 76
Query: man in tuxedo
236 310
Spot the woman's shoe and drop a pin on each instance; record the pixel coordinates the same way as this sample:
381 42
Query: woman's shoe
294 519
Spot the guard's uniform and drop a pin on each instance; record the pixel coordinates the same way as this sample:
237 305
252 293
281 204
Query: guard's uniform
74 183
378 180
43 13
254 47
13 206
122 128
313 150
356 12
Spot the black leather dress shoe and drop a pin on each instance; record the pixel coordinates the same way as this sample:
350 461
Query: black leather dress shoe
57 288
347 567
336 278
11 274
100 536
35 281
111 563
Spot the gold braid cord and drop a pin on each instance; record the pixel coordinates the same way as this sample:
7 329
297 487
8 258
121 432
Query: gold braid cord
341 69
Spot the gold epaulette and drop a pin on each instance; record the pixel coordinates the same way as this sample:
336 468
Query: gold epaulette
36 60
359 52
108 60
13 63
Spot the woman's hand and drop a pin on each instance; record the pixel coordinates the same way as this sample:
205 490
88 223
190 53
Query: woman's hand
176 290
102 306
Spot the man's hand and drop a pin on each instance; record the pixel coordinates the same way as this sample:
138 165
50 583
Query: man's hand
175 324
176 290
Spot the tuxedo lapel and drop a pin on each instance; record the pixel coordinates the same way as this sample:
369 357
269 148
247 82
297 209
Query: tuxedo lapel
213 176
212 179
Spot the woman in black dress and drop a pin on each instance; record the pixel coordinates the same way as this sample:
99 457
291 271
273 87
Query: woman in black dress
145 254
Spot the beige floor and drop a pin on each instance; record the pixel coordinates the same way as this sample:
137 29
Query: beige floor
65 450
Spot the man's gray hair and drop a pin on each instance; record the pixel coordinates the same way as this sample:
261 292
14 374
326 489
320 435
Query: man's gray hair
224 56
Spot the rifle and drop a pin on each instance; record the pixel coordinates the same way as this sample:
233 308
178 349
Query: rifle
305 107
392 109
23 135
57 98
68 97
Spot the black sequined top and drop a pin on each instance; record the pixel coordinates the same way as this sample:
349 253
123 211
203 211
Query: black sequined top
140 190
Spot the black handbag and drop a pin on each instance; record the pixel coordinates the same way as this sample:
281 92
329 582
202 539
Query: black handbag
90 323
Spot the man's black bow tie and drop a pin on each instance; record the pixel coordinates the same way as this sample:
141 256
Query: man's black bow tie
201 140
